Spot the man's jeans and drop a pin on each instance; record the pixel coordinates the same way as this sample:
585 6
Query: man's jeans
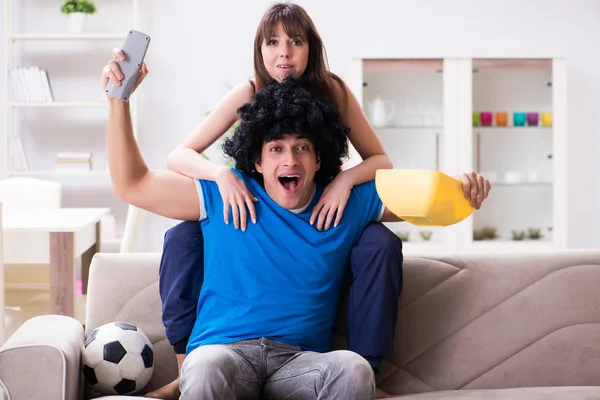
264 369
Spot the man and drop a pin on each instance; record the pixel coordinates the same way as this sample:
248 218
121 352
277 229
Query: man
270 294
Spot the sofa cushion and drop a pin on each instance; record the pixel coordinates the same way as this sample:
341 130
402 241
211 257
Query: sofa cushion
545 393
117 397
548 393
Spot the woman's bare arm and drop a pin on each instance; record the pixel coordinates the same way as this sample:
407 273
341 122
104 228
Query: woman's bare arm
187 159
363 138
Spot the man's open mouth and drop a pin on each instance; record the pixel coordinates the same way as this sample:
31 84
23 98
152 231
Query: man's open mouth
289 182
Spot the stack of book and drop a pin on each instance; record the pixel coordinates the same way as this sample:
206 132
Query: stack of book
30 85
18 160
67 161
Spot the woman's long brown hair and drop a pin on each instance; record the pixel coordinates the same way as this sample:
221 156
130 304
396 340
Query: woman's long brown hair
297 22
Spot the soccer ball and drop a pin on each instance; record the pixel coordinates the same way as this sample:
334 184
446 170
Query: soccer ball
118 359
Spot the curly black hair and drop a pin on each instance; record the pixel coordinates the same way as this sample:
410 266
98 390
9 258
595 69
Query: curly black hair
288 107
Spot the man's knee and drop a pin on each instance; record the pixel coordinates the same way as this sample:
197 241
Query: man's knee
353 364
206 365
378 237
377 246
355 372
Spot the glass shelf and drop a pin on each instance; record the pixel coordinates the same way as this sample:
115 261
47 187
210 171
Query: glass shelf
419 249
74 172
409 128
520 184
505 246
61 104
67 36
510 128
403 100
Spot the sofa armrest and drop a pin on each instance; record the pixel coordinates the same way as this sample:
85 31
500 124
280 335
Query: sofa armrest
42 359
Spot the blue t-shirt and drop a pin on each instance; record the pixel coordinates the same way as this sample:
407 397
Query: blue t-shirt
281 279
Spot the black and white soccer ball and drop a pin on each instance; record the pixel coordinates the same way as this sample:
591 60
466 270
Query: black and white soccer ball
118 359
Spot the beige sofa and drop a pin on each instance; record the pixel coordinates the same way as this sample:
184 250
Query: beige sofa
470 327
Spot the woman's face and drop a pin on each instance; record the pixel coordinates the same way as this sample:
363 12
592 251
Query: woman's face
284 55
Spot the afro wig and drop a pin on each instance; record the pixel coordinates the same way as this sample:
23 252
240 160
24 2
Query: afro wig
288 107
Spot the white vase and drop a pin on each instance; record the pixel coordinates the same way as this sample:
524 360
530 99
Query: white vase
76 22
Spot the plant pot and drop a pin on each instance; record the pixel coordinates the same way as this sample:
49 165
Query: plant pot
486 118
546 119
76 22
519 119
533 119
501 119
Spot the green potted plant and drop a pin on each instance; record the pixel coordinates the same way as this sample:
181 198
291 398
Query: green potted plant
76 12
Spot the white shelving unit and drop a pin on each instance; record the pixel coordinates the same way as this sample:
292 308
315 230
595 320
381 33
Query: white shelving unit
66 36
65 104
79 42
431 128
59 173
540 201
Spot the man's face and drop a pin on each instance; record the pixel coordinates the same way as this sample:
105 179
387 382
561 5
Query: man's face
288 166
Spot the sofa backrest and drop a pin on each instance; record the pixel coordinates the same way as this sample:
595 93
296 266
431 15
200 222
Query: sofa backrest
497 321
465 322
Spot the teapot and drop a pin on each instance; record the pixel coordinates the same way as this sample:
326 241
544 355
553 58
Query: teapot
380 112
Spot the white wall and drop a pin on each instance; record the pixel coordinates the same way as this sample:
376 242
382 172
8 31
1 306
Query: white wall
198 50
